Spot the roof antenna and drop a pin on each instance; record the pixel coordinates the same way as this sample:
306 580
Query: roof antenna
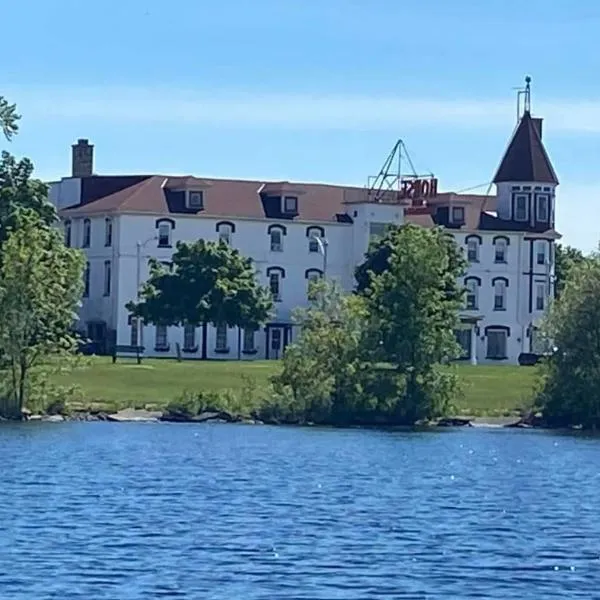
526 92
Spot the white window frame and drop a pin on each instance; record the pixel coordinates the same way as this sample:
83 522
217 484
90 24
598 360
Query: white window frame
525 216
500 244
500 286
540 252
108 232
472 292
225 233
276 246
221 332
107 277
189 336
86 240
248 340
161 340
497 355
473 248
275 285
458 210
540 298
538 203
164 227
195 199
290 204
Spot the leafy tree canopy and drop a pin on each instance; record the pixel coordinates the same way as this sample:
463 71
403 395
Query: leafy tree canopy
209 282
570 390
566 258
20 194
40 290
9 119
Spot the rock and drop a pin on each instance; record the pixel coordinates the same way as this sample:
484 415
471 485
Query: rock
132 415
203 417
34 418
454 422
53 419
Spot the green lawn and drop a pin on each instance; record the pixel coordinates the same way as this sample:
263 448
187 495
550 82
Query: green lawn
488 390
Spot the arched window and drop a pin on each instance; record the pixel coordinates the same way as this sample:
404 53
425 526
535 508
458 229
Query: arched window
225 230
501 249
314 234
276 275
500 284
472 285
312 276
473 243
276 233
108 231
165 227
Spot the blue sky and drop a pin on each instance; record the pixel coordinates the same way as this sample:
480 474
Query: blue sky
310 90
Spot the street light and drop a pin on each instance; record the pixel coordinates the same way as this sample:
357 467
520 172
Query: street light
138 281
323 244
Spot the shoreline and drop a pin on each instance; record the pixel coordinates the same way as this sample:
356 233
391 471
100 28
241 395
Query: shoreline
132 415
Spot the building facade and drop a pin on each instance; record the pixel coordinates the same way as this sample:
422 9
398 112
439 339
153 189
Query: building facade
295 232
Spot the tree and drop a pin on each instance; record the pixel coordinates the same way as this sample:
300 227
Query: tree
324 370
410 284
40 290
8 118
19 194
566 258
570 378
209 282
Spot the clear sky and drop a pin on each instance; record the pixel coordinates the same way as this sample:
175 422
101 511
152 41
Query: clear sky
308 90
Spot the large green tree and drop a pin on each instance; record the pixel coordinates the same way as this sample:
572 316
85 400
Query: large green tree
9 118
20 193
208 282
410 284
566 258
570 382
40 290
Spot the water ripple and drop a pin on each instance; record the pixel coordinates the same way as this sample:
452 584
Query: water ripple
125 512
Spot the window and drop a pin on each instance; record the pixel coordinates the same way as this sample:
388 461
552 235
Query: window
472 294
162 343
108 232
107 277
540 253
248 341
276 240
540 296
225 230
499 294
463 337
86 280
290 204
314 234
276 339
87 234
473 250
496 343
221 338
195 199
458 214
543 207
275 285
134 331
377 230
521 204
189 337
68 227
500 250
164 235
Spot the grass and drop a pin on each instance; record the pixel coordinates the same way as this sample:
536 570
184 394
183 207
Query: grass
488 390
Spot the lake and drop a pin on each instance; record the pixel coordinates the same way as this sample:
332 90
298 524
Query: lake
130 511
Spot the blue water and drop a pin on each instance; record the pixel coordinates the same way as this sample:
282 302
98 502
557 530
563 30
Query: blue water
132 511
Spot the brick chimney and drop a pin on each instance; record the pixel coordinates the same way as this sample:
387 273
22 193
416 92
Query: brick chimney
83 159
537 123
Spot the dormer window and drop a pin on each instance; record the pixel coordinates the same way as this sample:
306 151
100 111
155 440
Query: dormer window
458 215
195 199
542 202
521 202
290 205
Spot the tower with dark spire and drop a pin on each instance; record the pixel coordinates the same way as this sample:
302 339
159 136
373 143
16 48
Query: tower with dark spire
526 180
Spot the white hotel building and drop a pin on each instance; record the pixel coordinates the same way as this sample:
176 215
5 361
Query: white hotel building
122 221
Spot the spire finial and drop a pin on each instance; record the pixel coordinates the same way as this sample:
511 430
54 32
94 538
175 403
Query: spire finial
527 106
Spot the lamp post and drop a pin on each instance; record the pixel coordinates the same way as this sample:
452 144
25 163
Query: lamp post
323 246
138 282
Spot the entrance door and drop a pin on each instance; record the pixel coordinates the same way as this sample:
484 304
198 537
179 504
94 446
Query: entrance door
275 342
96 332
